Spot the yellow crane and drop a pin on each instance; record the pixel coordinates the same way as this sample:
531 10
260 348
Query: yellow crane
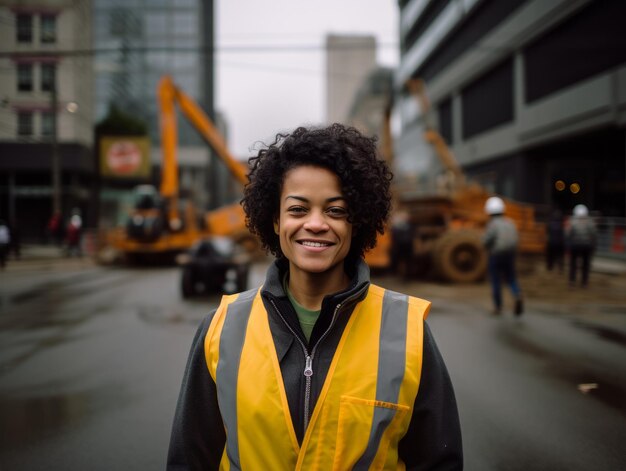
161 224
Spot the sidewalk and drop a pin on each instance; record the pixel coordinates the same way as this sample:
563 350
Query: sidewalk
32 252
39 253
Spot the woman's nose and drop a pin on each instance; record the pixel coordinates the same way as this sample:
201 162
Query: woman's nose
316 222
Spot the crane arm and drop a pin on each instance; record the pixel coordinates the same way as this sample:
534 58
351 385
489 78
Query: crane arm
169 94
417 89
169 138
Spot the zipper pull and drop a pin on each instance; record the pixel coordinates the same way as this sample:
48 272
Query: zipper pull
308 369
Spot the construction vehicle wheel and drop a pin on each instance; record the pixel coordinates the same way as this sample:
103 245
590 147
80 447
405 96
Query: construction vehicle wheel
459 257
187 285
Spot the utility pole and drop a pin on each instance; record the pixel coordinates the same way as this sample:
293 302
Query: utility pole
56 158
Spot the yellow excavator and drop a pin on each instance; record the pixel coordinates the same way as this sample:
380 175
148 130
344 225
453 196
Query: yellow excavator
162 223
443 228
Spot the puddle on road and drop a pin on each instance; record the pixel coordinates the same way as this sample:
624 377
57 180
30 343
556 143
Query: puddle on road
66 288
32 419
41 316
29 420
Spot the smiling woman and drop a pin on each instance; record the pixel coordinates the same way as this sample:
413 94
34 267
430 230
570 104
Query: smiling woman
319 368
314 231
352 157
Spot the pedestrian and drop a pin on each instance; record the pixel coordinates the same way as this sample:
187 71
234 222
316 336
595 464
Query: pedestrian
74 236
555 245
501 240
5 242
581 241
318 369
54 229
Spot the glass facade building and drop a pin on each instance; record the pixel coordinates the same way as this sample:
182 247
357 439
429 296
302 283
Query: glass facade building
139 41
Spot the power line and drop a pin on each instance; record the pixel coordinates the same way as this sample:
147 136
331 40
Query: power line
203 50
280 69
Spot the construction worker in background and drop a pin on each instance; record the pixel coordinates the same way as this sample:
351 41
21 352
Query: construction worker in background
74 234
318 369
501 241
581 239
555 246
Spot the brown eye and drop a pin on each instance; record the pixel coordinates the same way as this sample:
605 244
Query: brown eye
296 210
337 211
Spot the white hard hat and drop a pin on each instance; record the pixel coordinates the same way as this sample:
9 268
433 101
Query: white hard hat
580 210
494 205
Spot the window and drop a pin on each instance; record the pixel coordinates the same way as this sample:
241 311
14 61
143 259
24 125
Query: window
48 77
488 101
587 44
156 23
445 119
25 77
124 23
428 16
185 24
24 123
184 60
47 123
48 29
485 17
24 28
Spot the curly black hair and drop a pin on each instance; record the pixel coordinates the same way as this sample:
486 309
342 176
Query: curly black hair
365 181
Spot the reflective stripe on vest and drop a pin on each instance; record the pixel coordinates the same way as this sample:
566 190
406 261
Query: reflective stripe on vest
365 404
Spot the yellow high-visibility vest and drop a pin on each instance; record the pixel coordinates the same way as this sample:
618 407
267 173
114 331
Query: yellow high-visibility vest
365 404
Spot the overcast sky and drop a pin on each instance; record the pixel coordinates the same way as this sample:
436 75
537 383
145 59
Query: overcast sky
261 90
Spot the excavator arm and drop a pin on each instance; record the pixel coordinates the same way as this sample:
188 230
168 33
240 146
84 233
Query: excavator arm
169 94
226 220
417 89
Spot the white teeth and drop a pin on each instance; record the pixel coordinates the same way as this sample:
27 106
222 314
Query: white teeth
314 244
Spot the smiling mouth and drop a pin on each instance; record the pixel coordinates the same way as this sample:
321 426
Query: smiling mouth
310 243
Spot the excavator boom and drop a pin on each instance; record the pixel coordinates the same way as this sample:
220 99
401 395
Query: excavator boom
169 94
165 227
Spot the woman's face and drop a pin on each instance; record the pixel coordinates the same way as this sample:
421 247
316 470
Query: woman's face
312 224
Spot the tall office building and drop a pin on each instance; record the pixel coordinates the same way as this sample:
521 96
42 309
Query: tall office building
530 94
349 60
45 112
136 43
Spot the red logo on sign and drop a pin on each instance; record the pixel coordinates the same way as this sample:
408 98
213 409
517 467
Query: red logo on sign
124 157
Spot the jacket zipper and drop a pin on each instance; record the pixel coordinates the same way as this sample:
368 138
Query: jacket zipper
308 368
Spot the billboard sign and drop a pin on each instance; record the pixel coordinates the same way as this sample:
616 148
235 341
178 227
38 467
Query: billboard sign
125 156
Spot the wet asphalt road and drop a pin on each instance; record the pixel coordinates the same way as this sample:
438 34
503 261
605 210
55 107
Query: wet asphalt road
91 360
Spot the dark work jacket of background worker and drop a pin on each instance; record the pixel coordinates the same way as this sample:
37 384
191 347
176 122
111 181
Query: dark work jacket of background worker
501 239
433 440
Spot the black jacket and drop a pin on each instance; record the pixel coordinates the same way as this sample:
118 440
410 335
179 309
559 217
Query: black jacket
433 441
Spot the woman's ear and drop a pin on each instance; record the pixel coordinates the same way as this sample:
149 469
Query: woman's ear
275 226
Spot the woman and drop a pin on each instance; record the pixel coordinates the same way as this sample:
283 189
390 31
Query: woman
318 369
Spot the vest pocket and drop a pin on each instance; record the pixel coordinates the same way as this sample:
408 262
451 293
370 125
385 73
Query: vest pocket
365 429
